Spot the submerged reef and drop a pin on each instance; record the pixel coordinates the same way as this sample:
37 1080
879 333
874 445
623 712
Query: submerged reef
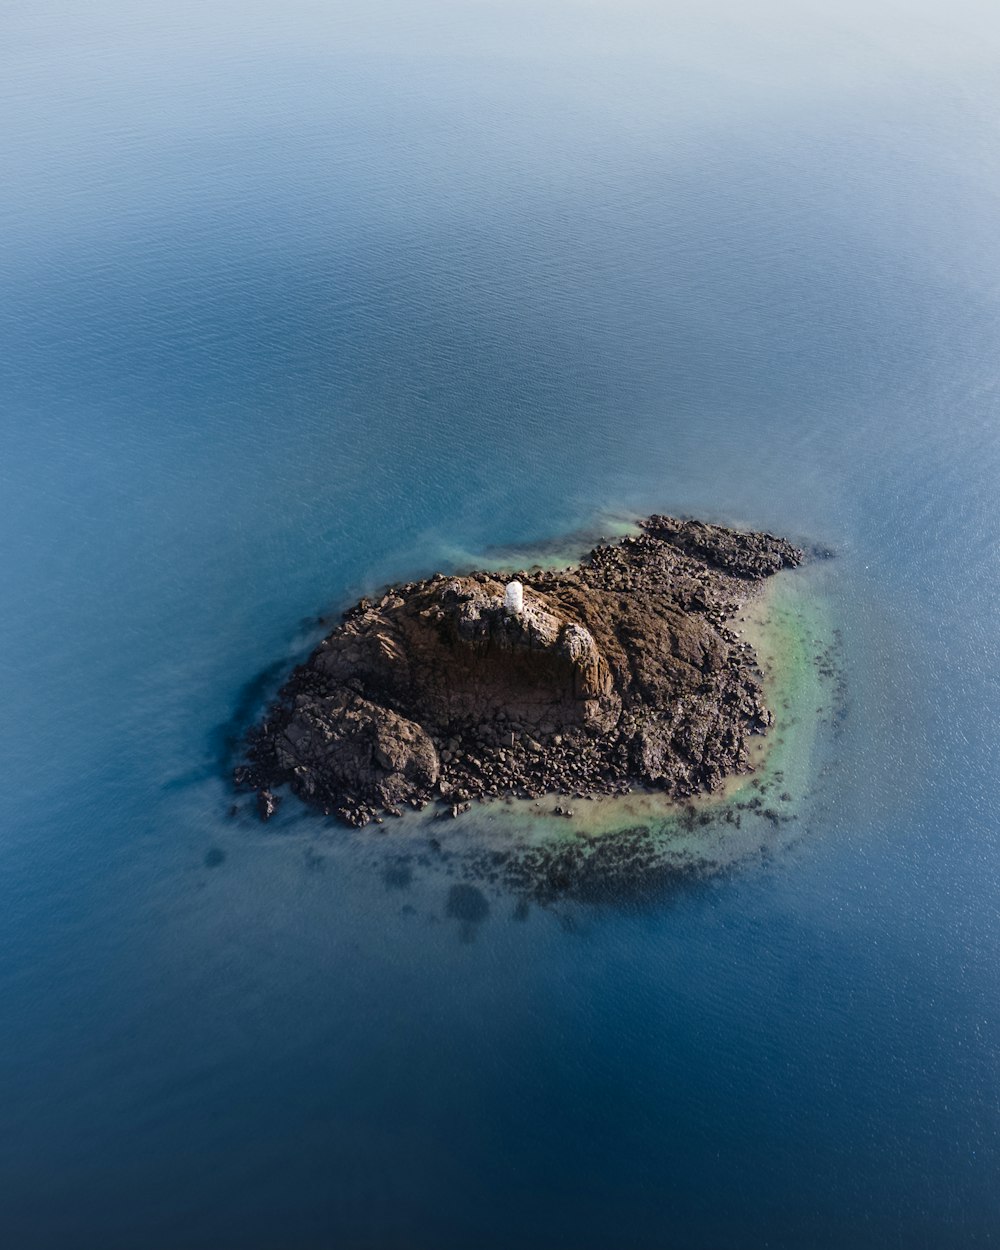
616 672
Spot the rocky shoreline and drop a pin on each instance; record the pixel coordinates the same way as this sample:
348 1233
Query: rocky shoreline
619 671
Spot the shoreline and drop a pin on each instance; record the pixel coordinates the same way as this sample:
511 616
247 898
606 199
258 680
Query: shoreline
625 675
784 623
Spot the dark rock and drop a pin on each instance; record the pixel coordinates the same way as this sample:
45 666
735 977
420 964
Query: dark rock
467 903
267 803
619 670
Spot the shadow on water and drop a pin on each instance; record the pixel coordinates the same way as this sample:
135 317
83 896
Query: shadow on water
225 741
227 738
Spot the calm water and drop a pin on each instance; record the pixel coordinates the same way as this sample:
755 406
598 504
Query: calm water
300 298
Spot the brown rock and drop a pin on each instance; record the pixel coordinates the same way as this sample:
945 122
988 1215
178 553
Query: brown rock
627 656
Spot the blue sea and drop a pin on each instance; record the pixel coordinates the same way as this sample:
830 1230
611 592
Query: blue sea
297 299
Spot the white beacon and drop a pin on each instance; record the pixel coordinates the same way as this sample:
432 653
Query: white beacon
513 598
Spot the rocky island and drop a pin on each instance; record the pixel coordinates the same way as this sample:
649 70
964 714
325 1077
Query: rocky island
619 671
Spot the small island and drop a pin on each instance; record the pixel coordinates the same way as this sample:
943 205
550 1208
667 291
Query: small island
621 671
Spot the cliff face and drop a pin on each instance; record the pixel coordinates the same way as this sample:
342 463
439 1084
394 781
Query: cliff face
620 670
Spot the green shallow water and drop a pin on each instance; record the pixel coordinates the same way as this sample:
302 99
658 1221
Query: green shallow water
792 626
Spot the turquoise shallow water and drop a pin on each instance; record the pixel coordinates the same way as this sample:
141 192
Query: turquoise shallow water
300 301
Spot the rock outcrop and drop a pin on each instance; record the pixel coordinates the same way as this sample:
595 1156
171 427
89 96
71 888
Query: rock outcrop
587 680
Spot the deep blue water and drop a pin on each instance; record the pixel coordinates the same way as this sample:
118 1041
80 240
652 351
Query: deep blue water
297 299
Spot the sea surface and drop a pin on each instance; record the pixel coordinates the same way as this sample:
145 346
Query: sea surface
299 298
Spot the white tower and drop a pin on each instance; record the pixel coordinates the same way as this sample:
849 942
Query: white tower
513 598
